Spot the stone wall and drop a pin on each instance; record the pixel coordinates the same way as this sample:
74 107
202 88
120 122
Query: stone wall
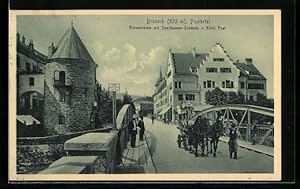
80 96
37 153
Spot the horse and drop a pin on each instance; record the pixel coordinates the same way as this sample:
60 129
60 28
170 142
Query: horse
215 131
200 128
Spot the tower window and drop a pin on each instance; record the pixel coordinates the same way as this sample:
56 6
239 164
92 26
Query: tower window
62 97
61 119
31 81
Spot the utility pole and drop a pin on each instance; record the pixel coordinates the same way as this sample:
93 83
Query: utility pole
114 88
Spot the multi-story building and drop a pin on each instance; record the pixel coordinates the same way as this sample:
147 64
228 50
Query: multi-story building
30 79
190 75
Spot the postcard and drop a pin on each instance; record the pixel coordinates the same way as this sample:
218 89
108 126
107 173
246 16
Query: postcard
145 95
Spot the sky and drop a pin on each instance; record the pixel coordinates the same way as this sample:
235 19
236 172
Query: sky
133 57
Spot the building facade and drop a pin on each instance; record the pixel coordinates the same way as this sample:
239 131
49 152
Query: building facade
70 86
30 79
190 75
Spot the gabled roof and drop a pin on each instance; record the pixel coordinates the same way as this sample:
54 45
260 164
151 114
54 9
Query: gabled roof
250 71
71 46
183 62
33 53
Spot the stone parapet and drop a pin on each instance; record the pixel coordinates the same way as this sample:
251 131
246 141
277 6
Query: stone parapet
102 145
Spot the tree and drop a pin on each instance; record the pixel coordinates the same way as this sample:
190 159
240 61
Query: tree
215 97
127 100
261 100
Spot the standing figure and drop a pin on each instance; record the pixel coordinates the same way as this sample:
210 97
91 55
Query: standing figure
254 131
152 119
179 140
141 125
132 128
232 143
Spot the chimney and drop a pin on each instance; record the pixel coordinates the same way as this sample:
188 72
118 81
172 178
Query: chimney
31 46
50 50
18 37
23 39
248 61
194 52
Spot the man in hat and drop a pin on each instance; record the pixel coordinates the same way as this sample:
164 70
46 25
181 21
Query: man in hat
232 143
132 128
141 125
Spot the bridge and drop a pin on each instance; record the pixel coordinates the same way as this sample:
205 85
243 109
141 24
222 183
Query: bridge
108 152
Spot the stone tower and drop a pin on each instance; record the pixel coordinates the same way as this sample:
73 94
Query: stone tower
70 85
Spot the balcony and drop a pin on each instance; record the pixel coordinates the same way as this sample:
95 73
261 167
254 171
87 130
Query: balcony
61 84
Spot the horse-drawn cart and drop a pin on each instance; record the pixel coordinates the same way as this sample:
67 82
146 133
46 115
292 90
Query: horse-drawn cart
199 132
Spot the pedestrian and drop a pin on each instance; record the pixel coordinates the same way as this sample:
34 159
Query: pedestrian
179 140
141 125
132 127
232 143
254 131
152 119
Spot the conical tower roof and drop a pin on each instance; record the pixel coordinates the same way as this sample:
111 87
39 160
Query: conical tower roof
70 46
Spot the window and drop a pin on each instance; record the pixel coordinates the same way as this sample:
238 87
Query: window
255 86
169 74
211 70
242 85
61 119
189 97
62 97
180 97
28 67
34 68
218 59
225 70
193 69
227 84
209 84
179 84
31 81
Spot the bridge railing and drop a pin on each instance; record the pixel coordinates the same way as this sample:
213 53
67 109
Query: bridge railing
245 116
122 121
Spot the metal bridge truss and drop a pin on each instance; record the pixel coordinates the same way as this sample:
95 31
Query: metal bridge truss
244 116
